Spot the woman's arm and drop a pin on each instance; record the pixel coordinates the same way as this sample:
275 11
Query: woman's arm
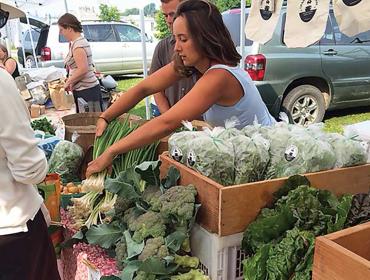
206 92
82 64
156 82
10 65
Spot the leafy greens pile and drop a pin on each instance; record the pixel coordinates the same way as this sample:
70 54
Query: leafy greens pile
280 241
150 225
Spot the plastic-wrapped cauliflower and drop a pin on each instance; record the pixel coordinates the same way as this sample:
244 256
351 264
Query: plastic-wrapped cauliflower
65 160
251 158
212 157
348 152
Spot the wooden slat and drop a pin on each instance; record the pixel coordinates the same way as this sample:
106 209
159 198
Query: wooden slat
208 193
241 204
237 206
334 262
356 239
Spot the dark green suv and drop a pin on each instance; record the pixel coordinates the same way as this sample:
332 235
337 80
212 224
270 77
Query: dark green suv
305 82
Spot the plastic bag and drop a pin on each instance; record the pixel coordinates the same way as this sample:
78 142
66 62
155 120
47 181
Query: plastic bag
294 151
348 152
178 142
251 158
65 161
212 157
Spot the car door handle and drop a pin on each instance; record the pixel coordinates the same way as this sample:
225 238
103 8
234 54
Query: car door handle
330 52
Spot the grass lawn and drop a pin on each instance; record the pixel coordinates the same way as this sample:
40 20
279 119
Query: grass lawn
334 121
123 85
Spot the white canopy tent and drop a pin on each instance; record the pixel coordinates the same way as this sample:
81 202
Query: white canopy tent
14 12
305 20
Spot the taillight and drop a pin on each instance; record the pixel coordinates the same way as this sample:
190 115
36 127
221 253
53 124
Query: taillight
255 65
45 54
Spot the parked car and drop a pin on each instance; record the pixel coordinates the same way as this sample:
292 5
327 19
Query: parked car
305 82
116 47
27 58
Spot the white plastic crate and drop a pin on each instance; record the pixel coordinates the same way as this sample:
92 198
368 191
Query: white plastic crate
220 257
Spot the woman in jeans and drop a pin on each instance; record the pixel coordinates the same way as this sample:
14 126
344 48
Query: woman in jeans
82 80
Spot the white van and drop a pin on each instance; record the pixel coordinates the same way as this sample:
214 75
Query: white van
116 47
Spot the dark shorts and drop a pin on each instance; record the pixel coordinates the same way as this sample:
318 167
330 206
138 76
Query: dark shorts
155 110
90 94
28 255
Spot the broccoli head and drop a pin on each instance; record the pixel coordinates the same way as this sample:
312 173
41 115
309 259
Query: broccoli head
130 215
121 205
179 202
141 275
121 253
149 224
194 274
154 247
151 196
186 261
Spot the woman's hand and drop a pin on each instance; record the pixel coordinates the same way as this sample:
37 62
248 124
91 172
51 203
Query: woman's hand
101 125
104 161
68 85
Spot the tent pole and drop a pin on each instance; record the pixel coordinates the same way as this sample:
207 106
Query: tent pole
242 35
32 43
145 63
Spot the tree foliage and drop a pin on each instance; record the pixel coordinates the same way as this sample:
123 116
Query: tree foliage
162 30
109 13
224 5
149 10
132 11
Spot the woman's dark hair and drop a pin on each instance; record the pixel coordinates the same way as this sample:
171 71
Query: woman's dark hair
209 33
69 20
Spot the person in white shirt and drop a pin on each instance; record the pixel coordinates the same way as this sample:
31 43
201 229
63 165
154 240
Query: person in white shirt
26 250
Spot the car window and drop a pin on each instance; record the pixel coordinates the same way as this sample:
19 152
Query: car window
62 39
127 33
328 37
27 38
342 39
101 33
232 22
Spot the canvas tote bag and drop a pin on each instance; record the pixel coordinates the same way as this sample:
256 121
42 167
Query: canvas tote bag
305 22
262 20
353 16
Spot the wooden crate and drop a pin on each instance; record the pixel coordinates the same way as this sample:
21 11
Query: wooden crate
343 255
228 210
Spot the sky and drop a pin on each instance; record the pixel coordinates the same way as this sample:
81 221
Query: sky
57 7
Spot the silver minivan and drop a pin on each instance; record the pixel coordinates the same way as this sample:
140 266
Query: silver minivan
116 47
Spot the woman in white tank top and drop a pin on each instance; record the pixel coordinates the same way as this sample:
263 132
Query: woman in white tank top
203 46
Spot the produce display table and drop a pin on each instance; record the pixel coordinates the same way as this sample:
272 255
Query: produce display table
228 210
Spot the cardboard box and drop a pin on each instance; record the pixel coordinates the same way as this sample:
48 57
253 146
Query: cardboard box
228 210
35 111
343 255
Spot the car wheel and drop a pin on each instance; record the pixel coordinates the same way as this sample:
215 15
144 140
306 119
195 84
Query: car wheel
30 61
304 105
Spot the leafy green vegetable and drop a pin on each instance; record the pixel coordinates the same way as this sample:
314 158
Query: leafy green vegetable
254 268
103 235
44 125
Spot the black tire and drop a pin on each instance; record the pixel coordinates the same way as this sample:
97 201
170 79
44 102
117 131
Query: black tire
30 60
304 105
